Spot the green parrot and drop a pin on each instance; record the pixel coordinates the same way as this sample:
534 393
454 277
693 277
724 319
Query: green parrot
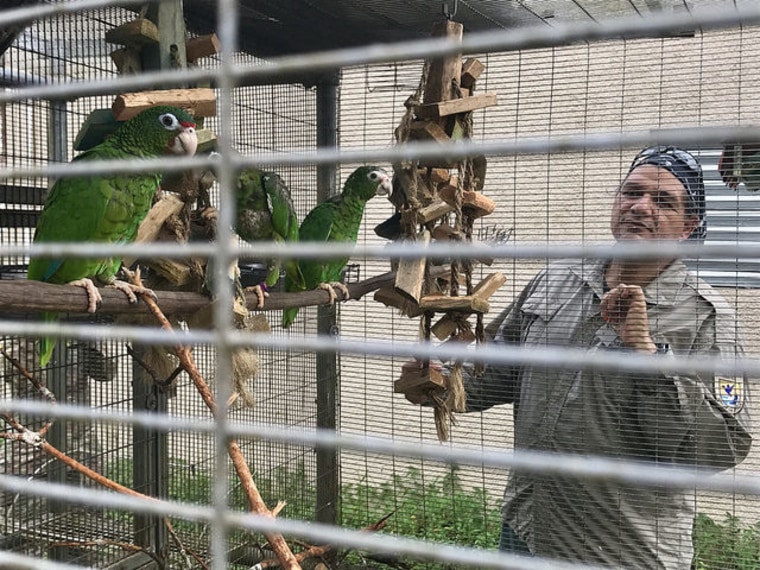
265 212
107 208
336 219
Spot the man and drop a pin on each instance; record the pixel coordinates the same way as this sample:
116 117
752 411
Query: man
647 307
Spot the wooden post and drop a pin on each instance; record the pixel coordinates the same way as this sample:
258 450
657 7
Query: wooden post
327 370
446 69
150 446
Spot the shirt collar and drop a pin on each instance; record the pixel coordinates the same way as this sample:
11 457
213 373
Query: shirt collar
661 291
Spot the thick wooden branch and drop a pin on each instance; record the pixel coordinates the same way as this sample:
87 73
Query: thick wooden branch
276 540
23 296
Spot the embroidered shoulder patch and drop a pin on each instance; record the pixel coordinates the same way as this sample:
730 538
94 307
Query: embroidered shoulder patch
730 392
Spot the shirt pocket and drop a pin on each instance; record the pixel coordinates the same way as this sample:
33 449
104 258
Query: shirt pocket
540 327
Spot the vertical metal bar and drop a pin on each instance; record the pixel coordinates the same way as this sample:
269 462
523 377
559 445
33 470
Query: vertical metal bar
150 449
58 151
227 17
58 147
149 457
56 471
328 472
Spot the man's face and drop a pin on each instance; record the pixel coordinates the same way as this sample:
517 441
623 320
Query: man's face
651 204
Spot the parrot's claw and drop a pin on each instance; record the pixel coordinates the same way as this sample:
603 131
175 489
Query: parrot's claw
330 291
131 291
261 294
331 287
343 290
93 295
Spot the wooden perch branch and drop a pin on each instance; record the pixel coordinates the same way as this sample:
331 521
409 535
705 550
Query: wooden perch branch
317 551
34 296
276 540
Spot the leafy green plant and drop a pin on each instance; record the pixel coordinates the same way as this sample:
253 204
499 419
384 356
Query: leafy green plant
726 546
439 509
435 508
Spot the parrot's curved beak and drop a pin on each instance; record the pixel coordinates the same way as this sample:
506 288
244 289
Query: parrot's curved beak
385 187
185 143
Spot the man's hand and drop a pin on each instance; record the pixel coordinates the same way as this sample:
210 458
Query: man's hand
625 308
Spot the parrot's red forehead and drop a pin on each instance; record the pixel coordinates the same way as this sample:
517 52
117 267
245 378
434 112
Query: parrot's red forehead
187 124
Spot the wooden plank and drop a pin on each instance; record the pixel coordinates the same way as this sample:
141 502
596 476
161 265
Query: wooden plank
138 32
127 60
170 51
444 70
489 285
428 131
444 327
465 303
455 106
98 125
477 204
444 232
390 298
433 211
411 272
206 141
472 68
201 46
414 377
165 207
463 337
200 102
439 176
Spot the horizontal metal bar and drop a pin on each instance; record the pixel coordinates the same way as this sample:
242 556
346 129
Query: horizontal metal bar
687 136
623 472
316 532
533 37
557 357
40 11
21 562
395 250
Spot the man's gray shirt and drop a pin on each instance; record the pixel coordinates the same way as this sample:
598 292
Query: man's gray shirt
670 419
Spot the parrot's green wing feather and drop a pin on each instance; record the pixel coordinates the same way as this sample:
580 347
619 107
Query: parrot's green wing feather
254 221
284 219
315 227
107 208
265 212
95 210
337 219
318 226
284 224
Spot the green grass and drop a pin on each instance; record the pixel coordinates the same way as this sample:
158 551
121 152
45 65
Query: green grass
729 545
435 508
438 508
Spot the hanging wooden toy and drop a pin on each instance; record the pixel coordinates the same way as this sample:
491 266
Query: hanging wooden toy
433 203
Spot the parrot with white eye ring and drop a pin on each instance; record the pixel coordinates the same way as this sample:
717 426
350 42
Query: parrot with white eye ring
335 220
107 208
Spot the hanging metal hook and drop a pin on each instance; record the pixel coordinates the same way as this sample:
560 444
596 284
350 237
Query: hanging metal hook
449 14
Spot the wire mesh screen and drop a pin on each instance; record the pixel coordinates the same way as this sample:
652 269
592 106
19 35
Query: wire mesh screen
557 392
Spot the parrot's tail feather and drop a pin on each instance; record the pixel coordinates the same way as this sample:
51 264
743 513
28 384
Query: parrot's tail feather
47 344
288 316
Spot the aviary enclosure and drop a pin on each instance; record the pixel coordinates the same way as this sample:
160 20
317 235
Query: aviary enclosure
194 431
